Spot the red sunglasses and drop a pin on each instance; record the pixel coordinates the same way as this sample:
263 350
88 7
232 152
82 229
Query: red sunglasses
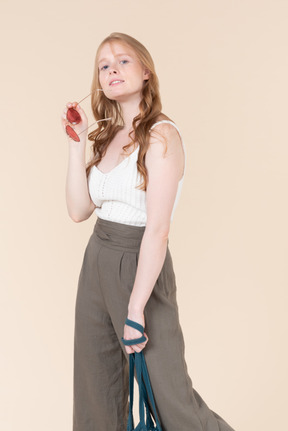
74 117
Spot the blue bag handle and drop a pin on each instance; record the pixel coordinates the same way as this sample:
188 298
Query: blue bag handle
145 390
143 399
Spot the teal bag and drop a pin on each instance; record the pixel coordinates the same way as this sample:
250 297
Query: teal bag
145 391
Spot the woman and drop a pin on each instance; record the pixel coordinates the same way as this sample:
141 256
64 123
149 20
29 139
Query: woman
127 269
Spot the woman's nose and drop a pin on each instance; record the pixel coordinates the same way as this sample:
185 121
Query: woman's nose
113 70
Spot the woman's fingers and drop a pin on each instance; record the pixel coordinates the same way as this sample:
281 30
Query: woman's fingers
68 105
139 347
78 128
71 104
135 347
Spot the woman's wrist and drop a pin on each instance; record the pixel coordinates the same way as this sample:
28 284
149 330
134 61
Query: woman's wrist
77 146
135 312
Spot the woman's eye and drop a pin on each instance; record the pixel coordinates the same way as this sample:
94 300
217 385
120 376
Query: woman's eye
104 67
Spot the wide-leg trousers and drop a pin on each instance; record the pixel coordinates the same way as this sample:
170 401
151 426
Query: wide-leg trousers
101 363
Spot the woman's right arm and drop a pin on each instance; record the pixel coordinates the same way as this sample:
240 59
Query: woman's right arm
78 201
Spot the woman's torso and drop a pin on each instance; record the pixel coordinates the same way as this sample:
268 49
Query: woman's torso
112 183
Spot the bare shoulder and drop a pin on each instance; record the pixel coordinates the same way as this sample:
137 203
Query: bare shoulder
165 148
166 134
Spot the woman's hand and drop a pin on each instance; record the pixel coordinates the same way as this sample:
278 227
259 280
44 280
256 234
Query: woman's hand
77 127
131 333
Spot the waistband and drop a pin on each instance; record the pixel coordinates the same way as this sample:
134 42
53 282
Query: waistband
118 235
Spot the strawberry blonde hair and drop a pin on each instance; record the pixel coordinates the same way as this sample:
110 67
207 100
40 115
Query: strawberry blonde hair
102 107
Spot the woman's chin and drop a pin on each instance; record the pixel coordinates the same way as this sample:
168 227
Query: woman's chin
119 97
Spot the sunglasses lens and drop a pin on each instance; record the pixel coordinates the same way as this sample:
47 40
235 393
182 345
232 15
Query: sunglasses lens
71 132
73 116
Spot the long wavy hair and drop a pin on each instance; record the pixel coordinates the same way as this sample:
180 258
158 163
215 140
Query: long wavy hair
102 107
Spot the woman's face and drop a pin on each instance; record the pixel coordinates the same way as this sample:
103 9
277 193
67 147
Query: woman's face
119 62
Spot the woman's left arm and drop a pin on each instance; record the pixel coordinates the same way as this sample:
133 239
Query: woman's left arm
164 172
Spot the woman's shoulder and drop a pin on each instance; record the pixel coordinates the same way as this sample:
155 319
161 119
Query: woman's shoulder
165 125
166 132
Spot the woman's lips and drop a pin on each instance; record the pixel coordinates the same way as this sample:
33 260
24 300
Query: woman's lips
116 83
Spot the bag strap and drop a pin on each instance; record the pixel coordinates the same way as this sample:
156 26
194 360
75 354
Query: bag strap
145 390
135 340
132 364
149 391
143 398
130 425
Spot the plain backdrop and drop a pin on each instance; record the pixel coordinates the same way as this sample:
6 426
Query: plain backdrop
223 70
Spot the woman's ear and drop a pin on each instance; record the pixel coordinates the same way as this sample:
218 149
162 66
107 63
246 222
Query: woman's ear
146 75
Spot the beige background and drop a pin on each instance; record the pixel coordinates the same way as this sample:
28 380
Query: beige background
223 69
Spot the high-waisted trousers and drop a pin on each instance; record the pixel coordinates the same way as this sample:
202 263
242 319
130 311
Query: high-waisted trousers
101 363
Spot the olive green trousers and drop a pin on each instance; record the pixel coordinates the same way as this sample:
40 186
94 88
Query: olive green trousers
101 364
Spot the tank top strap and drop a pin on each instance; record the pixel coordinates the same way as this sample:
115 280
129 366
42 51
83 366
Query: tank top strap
183 145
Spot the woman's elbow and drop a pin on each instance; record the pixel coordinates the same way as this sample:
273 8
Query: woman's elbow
78 218
160 229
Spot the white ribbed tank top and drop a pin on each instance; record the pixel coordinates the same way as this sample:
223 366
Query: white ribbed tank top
114 192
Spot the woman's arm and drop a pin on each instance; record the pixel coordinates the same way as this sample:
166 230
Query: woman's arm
164 172
79 203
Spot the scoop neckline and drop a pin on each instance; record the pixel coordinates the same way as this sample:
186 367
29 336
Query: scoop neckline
119 164
133 152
